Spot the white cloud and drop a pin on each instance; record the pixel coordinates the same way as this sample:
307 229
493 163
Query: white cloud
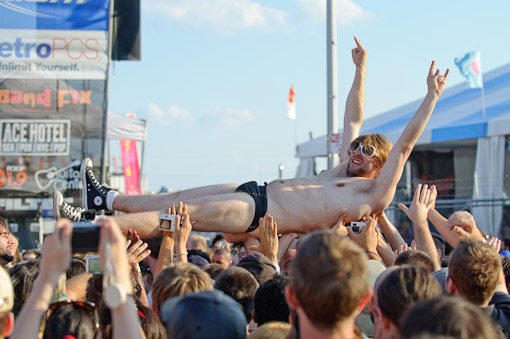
170 116
346 10
227 117
224 16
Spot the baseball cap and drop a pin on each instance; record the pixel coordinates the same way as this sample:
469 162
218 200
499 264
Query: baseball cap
6 291
209 314
259 265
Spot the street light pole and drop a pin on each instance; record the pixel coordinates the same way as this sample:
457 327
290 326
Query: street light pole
332 80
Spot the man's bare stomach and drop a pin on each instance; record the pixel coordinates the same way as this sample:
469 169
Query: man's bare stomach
307 204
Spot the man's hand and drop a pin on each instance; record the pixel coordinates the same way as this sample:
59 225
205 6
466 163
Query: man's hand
464 224
359 54
56 250
435 81
423 201
111 234
368 237
340 228
268 238
137 252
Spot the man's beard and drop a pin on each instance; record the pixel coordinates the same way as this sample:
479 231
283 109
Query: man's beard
7 257
358 173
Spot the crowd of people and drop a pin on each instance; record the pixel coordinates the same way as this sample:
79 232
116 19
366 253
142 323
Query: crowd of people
287 260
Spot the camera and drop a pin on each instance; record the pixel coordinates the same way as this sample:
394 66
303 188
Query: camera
357 226
167 222
93 265
85 237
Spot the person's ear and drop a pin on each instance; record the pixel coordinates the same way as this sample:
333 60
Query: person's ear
450 286
291 297
9 325
253 316
386 323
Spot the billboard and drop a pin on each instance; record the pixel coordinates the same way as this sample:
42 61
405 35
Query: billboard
53 72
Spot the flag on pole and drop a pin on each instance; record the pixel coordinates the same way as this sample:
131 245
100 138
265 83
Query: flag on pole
471 68
291 106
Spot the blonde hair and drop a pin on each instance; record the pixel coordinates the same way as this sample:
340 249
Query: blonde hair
179 279
382 144
271 330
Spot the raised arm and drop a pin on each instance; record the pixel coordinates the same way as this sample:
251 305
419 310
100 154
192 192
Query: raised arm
422 202
354 107
391 172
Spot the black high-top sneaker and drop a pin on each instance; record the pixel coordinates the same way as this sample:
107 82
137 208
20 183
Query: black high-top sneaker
62 209
94 194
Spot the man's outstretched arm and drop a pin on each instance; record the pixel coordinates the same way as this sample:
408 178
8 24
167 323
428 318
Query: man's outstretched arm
355 105
391 172
354 108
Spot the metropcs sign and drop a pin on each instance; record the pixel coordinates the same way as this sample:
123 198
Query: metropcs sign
56 48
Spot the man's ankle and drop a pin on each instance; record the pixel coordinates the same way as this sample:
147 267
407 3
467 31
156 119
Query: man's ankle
110 199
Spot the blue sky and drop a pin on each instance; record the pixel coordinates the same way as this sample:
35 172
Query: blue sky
214 77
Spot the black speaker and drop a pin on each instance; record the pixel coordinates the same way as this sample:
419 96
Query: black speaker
126 30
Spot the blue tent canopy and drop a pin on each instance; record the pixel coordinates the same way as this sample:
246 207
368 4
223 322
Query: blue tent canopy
458 115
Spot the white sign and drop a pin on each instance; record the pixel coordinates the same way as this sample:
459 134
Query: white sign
35 137
335 143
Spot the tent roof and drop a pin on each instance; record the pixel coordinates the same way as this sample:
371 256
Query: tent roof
458 115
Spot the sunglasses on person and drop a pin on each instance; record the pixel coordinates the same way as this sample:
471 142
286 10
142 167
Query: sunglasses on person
367 151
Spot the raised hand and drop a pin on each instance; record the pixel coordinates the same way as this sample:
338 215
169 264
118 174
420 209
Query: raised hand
435 81
423 200
137 252
340 228
464 225
268 238
359 54
368 237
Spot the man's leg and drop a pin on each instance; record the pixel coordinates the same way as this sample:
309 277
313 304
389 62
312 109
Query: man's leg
229 213
97 196
143 203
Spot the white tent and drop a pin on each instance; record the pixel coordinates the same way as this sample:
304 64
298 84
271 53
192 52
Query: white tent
458 115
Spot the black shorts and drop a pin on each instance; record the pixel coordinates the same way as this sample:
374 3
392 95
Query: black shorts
259 195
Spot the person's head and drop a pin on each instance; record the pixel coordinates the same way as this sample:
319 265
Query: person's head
76 319
177 280
270 302
239 284
196 242
440 245
259 265
473 271
415 257
287 260
367 155
76 267
219 241
272 330
150 324
6 304
447 316
6 244
328 280
31 254
395 291
23 276
214 270
208 314
223 257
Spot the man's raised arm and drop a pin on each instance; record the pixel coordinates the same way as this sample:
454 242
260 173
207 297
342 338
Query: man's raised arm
355 105
391 172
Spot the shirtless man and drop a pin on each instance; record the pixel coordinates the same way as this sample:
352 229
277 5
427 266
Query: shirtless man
362 184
